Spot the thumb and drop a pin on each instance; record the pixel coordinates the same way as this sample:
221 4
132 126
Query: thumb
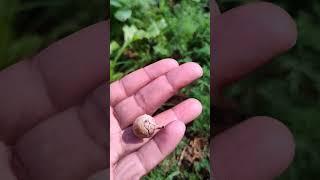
5 167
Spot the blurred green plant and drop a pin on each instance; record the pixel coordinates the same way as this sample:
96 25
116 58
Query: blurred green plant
144 31
289 88
154 30
30 25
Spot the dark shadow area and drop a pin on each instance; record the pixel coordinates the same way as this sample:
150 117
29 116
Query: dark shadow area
53 93
266 63
129 137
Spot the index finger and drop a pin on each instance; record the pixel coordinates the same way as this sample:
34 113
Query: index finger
132 82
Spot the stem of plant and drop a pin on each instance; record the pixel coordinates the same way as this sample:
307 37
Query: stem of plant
121 50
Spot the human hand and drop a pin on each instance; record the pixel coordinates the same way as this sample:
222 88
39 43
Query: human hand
53 110
245 38
143 92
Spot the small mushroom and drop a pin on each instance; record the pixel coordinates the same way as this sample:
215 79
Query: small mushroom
144 126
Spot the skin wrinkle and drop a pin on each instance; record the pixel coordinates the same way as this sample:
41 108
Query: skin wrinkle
115 100
122 150
150 78
35 66
98 105
122 107
175 114
173 89
101 148
141 162
87 131
18 167
141 102
93 101
128 150
154 75
114 113
119 153
123 88
156 142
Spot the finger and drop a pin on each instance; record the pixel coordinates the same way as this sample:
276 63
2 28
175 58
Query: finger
69 150
214 8
259 148
147 157
185 112
73 143
132 82
149 98
76 65
246 37
5 165
59 76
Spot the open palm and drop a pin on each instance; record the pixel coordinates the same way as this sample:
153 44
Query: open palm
143 92
52 110
244 39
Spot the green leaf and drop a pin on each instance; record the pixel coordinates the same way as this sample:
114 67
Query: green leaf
155 28
114 46
123 14
140 34
132 33
129 32
115 3
172 175
25 46
160 49
114 75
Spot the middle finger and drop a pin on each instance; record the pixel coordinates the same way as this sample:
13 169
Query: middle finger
149 98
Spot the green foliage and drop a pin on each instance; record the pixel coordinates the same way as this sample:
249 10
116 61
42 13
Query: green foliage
201 127
157 30
30 25
289 88
169 169
144 31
